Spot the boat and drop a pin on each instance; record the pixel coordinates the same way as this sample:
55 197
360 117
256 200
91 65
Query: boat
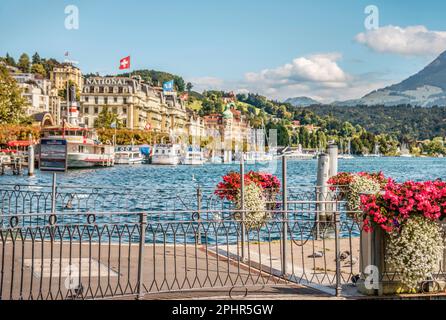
297 154
166 154
404 151
84 149
193 156
348 155
128 155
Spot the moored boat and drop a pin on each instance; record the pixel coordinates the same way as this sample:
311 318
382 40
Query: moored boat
193 156
84 149
128 155
166 154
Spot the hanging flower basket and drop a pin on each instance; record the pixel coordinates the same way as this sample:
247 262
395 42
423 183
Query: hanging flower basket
260 194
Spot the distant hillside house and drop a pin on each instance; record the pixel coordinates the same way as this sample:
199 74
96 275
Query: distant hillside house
230 125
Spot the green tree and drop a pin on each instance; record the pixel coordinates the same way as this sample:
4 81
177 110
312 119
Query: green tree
38 68
10 60
24 63
36 59
189 87
107 119
11 101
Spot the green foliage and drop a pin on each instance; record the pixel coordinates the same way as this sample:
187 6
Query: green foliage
404 121
158 78
36 59
11 102
37 68
10 60
24 63
106 119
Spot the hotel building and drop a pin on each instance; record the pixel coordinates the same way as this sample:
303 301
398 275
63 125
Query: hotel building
137 104
67 72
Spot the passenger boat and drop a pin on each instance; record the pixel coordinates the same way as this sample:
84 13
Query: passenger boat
166 154
128 155
193 156
83 146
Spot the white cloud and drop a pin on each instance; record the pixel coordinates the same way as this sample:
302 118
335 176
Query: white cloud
316 76
409 41
315 68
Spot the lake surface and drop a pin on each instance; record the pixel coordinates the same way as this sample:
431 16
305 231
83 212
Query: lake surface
149 177
169 193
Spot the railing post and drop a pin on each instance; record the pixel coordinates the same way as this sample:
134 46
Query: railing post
198 234
338 253
142 232
242 205
285 215
53 194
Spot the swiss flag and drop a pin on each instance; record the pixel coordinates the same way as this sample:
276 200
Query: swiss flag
124 63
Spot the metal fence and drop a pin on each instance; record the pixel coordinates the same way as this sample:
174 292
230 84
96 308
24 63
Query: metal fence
81 255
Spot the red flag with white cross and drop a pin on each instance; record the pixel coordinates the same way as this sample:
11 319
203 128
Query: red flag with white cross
124 63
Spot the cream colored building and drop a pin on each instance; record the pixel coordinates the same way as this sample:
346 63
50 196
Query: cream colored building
67 72
137 104
195 125
41 97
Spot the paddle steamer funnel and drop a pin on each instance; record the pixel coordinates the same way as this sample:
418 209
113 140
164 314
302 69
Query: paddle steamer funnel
73 111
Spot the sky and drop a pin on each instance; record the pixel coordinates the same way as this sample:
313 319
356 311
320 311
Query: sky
328 50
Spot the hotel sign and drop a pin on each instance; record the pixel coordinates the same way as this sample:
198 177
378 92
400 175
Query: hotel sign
53 155
106 81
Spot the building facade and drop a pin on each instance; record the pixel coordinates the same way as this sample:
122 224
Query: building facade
67 72
41 97
137 104
230 125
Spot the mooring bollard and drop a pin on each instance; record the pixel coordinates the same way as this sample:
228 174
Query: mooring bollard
31 160
333 156
321 190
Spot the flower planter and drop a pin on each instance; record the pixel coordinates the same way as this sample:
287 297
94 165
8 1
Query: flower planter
373 246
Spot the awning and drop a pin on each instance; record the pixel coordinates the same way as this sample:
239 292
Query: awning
19 143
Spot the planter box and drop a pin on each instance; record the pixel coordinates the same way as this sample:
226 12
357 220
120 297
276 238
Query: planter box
373 254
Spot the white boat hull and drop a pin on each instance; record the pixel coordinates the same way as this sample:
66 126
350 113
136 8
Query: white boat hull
129 161
193 162
165 160
86 160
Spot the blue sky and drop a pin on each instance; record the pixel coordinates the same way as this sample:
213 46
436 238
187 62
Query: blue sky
278 48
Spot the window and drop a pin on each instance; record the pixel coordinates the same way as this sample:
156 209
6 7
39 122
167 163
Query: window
86 109
106 100
115 99
86 99
96 110
124 100
96 100
86 121
124 109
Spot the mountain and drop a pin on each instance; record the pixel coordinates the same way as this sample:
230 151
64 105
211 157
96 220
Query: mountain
426 89
301 101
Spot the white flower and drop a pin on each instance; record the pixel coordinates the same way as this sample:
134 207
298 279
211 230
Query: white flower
255 206
416 251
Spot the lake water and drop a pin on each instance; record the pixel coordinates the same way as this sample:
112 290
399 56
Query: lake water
158 189
150 177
